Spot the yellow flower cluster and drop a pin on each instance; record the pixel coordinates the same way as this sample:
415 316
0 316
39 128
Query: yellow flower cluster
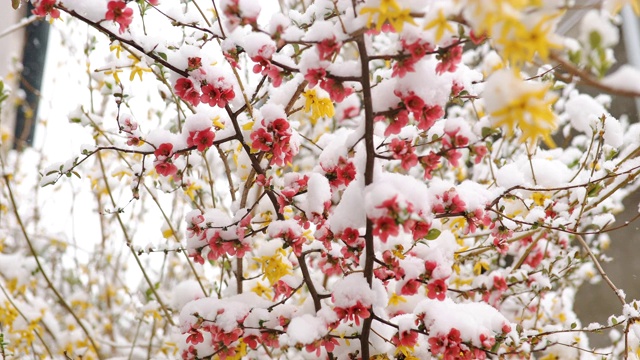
274 267
388 11
318 106
519 29
514 103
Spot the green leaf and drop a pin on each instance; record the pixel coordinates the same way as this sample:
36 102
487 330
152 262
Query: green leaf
573 326
595 40
163 56
433 234
15 4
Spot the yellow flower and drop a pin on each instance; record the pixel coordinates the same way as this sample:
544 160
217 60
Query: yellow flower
407 351
136 69
441 24
532 113
117 47
273 266
388 11
262 291
396 299
318 107
519 44
539 198
114 72
191 190
477 268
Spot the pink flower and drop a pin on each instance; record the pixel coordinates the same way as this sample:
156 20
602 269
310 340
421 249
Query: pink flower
117 11
186 91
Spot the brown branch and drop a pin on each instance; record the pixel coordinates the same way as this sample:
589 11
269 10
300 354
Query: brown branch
368 179
590 80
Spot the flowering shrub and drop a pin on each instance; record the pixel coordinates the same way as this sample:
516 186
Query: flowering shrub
373 179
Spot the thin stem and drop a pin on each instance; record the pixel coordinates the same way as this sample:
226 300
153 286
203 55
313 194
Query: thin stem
42 271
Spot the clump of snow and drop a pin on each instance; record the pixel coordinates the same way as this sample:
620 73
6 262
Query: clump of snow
352 289
305 329
471 319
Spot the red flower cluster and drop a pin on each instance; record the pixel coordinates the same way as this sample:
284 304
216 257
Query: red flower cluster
403 150
163 164
353 313
451 347
274 135
341 174
214 95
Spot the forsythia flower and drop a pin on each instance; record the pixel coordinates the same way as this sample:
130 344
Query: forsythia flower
520 44
515 103
441 24
388 11
318 107
273 266
518 28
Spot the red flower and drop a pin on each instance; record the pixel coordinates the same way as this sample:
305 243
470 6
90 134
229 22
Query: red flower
354 312
216 95
336 89
185 90
437 289
395 126
261 140
429 116
385 227
164 151
117 11
328 47
314 75
202 139
449 60
410 288
194 63
165 168
46 7
406 338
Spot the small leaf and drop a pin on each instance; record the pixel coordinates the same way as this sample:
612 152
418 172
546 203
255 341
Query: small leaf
15 4
433 234
573 326
163 56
